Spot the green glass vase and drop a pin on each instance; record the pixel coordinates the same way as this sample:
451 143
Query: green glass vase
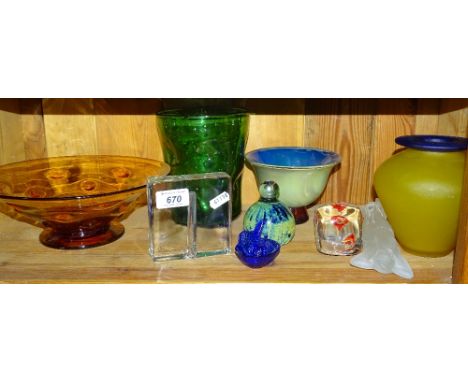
202 140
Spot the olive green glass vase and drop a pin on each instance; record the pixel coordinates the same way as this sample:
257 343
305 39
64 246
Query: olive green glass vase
203 140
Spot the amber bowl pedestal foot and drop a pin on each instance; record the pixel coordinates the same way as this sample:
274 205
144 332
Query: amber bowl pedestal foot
80 239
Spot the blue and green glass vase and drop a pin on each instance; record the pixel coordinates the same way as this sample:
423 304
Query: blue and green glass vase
278 221
203 140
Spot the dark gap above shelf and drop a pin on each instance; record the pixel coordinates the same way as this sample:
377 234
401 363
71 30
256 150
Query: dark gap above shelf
267 106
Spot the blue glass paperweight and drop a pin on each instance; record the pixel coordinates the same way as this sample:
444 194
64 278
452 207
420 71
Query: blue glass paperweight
253 250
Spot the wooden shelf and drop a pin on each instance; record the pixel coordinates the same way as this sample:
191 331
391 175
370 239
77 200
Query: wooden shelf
363 131
24 260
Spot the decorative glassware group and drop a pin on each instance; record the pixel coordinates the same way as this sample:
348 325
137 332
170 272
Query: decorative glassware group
79 201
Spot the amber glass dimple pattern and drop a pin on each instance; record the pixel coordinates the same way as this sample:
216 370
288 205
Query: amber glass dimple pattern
78 200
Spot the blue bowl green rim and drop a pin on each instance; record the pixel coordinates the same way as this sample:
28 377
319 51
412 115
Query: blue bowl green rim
294 168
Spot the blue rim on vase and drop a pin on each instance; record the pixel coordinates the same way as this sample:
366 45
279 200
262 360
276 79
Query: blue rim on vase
440 143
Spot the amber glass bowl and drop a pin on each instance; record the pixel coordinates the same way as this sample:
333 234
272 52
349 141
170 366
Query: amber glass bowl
79 201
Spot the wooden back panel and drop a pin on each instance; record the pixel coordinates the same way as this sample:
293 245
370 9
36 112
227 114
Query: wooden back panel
362 131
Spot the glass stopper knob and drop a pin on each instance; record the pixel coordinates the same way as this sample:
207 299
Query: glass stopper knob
269 190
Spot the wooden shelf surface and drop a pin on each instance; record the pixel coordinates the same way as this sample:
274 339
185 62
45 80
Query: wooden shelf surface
24 260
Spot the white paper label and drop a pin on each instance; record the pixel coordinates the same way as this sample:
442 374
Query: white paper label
219 200
172 198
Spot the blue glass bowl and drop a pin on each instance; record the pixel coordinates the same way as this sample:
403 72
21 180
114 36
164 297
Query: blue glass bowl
259 253
301 173
293 157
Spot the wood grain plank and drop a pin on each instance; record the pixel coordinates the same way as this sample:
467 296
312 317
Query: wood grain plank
453 118
11 132
344 126
270 131
127 261
34 136
394 117
427 116
132 134
70 126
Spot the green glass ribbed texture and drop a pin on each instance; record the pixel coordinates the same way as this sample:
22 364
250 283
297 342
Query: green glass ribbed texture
196 141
